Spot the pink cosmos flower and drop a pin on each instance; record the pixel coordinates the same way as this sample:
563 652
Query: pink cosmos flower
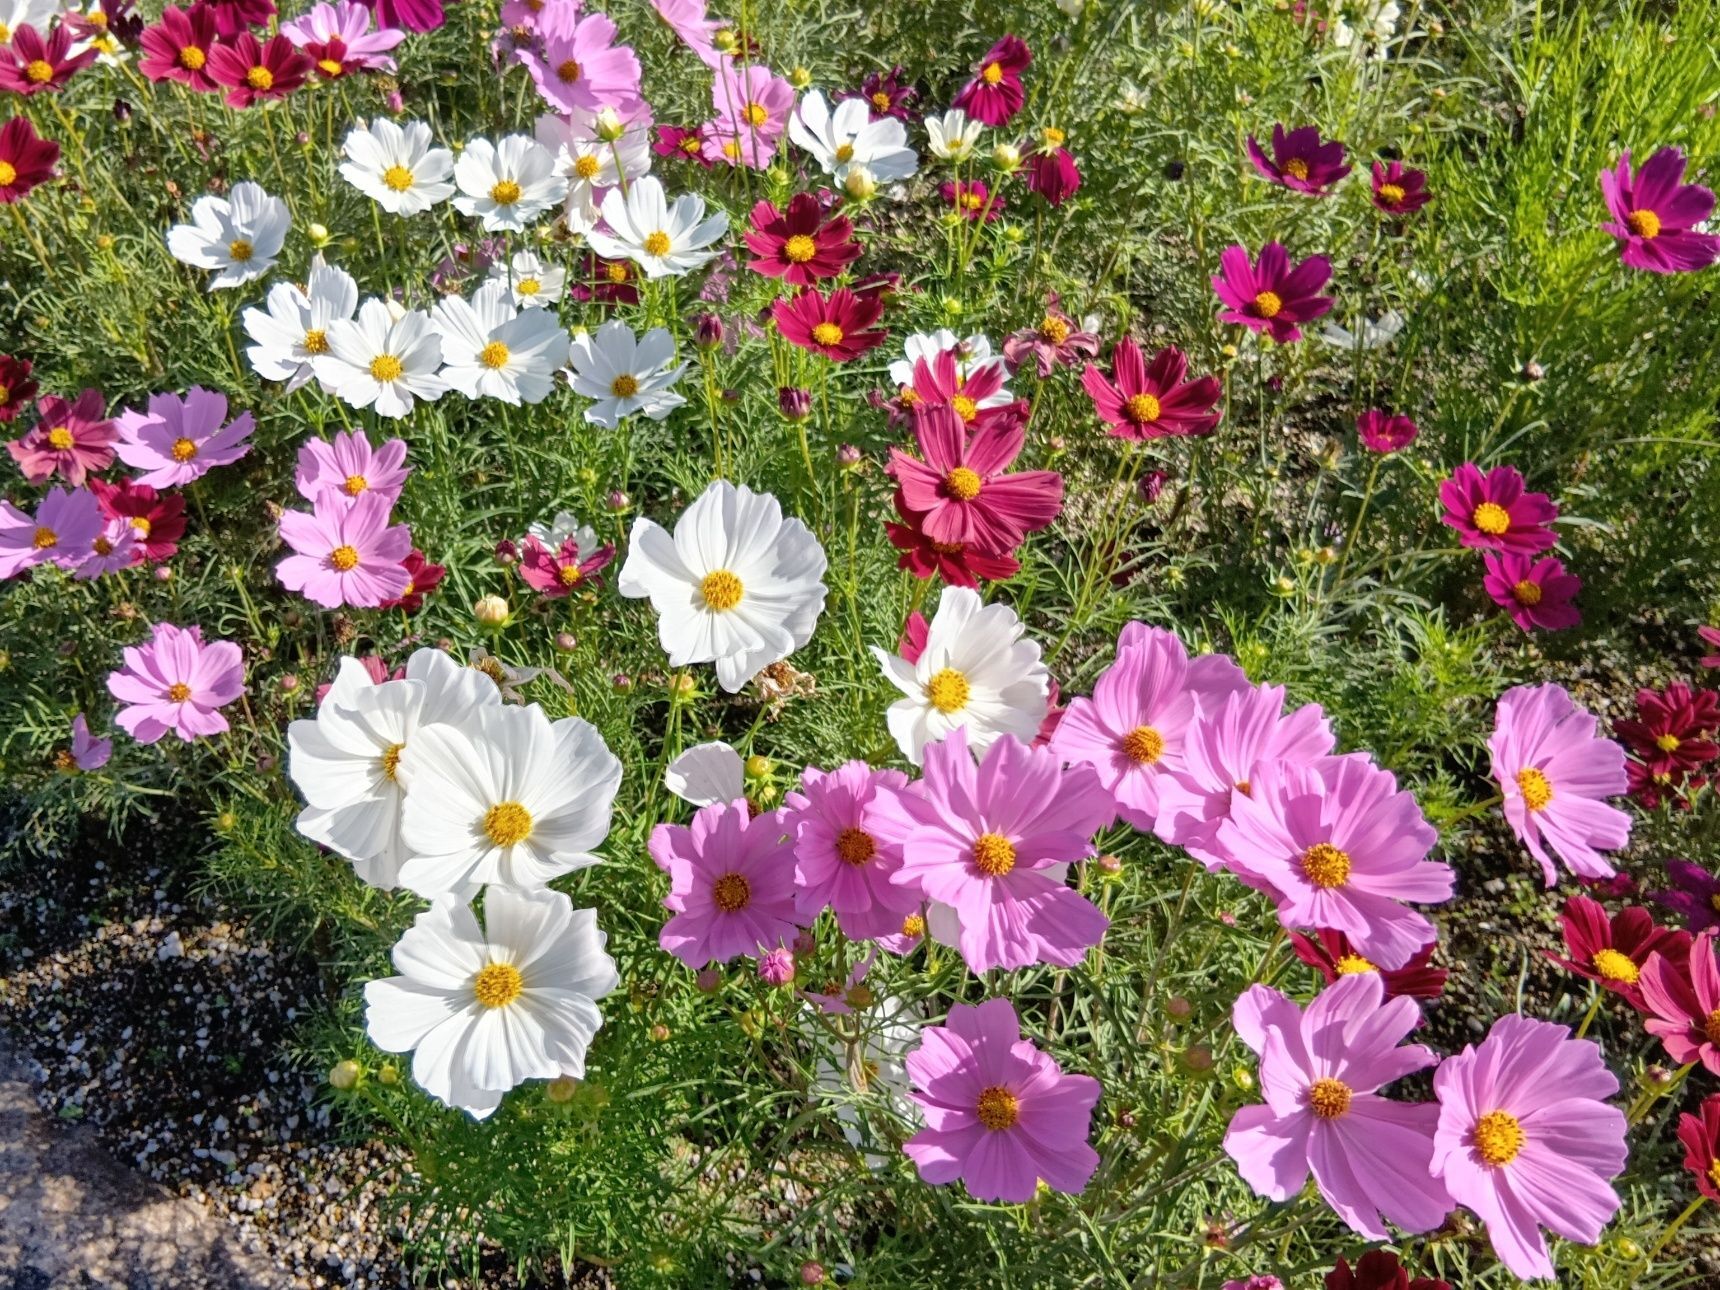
995 94
577 65
88 752
350 467
563 571
181 439
1385 432
956 563
960 490
338 38
1052 173
1152 401
842 859
414 15
731 881
1320 1072
978 397
112 549
256 71
976 839
1000 1115
66 523
157 521
1271 295
798 244
32 64
973 199
1339 845
1131 732
686 18
1655 215
1536 593
177 48
176 682
1398 190
719 144
345 553
1300 160
1526 1140
751 103
1681 992
71 437
838 326
1058 341
235 16
1492 512
1556 774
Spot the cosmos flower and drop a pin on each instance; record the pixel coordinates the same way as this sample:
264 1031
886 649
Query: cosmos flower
1330 954
977 397
508 184
66 524
113 548
1058 341
1537 593
350 467
731 884
1700 1136
1493 512
345 551
534 283
665 240
424 577
593 159
17 386
395 165
1300 160
958 564
848 138
1695 894
1673 730
608 282
1613 951
232 17
88 752
493 350
752 104
383 360
1398 190
687 19
338 39
176 682
72 437
1378 1270
683 142
1680 992
995 94
256 72
978 370
237 237
1655 215
959 486
179 439
839 326
157 521
972 199
842 860
1385 432
1152 401
26 159
292 327
625 375
797 244
707 774
953 136
887 94
1052 173
176 48
1271 296
565 569
32 64
413 15
576 64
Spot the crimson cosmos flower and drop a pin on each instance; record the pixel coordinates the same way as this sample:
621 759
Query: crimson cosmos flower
973 199
960 490
1330 953
1493 512
1300 160
1152 401
1655 214
1612 951
995 93
1709 636
1271 295
32 65
1052 174
26 159
177 48
798 244
1399 190
939 384
609 282
561 572
16 386
409 15
1682 998
886 94
681 141
1536 593
1700 1135
426 577
956 563
1378 1270
1671 729
234 16
157 520
838 326
1384 432
256 73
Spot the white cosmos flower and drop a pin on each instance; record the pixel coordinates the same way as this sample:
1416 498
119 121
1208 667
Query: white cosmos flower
534 282
566 525
1373 335
346 759
977 671
386 358
848 138
21 13
737 584
624 373
878 1069
237 236
397 166
504 797
491 350
707 774
589 163
483 1009
972 355
953 135
509 184
292 327
665 240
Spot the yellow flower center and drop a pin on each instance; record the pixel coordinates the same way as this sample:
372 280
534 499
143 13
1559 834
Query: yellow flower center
1711 1027
316 341
881 101
60 439
691 145
732 149
330 66
183 450
494 355
855 846
5 34
386 367
1053 330
1296 168
259 78
178 692
914 925
971 200
38 71
799 249
731 893
998 1109
993 854
1267 304
390 760
8 173
1667 742
616 271
1353 964
1615 966
1491 518
507 823
1143 409
568 72
505 192
1391 194
1645 224
624 386
991 74
192 59
963 484
755 114
1325 865
354 485
947 691
239 250
844 153
1143 745
1714 1171
1526 593
1328 1098
343 558
722 590
45 538
967 410
657 243
569 575
140 523
1498 1137
397 178
497 985
1536 789
827 333
1053 136
587 167
101 546
528 287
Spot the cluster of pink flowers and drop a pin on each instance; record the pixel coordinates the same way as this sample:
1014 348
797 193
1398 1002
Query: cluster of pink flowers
1495 514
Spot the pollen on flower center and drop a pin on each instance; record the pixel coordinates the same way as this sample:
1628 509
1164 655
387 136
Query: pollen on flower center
1667 742
39 71
316 341
731 893
497 985
344 558
881 101
1143 745
616 271
624 386
587 167
494 355
799 249
1391 194
569 575
568 72
855 846
1329 1098
1296 168
998 1108
178 692
60 439
140 523
657 243
963 484
505 192
965 408
991 74
330 66
1053 330
1267 304
1645 224
260 78
1498 1137
722 590
8 174
192 59
44 538
947 691
1536 789
1711 1027
183 450
993 854
397 178
528 287
354 485
1353 965
1143 409
756 114
386 367
827 333
101 546
914 925
390 760
844 153
239 250
1325 865
1526 593
507 823
1491 518
1615 966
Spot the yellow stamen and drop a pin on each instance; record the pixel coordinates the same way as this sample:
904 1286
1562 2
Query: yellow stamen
44 539
721 590
192 59
397 178
316 341
965 408
354 485
1144 409
1353 965
1328 1098
239 250
1491 518
914 925
386 367
494 355
330 67
1143 745
568 72
844 153
755 114
260 78
731 893
963 483
60 439
390 760
657 243
1498 1137
1296 168
507 824
8 174
1535 787
505 192
998 1108
881 101
497 985
948 691
587 166
1645 224
624 386
1615 966
1053 330
1267 304
178 692
991 74
855 846
827 333
527 287
1325 865
569 575
1526 593
38 72
1667 742
993 854
799 249
344 559
183 450
1391 194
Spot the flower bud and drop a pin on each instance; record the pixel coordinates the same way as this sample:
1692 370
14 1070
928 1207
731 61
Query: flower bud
344 1075
163 573
811 1273
561 1090
1197 1059
794 402
708 980
683 686
799 77
659 1033
759 766
621 683
848 456
726 41
707 331
617 501
507 552
1109 864
491 611
388 1074
121 111
289 682
565 642
1178 1008
776 968
609 125
861 184
1006 157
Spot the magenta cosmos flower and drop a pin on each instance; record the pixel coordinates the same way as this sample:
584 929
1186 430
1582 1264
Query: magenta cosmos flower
973 199
838 326
974 397
181 439
1536 593
731 881
798 244
1655 214
33 65
1694 895
960 491
1052 173
1000 1115
577 65
1339 845
1681 993
413 15
1526 1139
1556 774
1058 341
176 682
957 564
157 521
1385 432
72 437
177 48
26 160
1152 401
1300 160
1271 295
348 465
66 524
1320 1072
1399 190
842 859
1131 731
564 570
995 94
345 554
978 839
257 72
234 16
1493 512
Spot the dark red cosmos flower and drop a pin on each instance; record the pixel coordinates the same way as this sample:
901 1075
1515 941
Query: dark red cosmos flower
798 244
1671 729
1378 1270
839 326
1399 190
959 488
1682 999
234 16
995 93
157 520
1271 295
940 384
973 199
956 563
1152 401
1300 160
609 282
256 73
177 48
426 577
886 94
408 15
1695 894
1052 174
1612 951
1700 1134
17 387
1330 953
1384 432
681 141
26 159
32 65
1651 789
562 572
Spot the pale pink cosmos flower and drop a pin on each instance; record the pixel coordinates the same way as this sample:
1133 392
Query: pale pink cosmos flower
339 38
115 547
1338 845
180 439
1131 731
345 553
979 840
577 64
1681 996
731 884
1000 1114
1320 1072
686 18
88 751
1556 774
176 682
71 436
66 523
1526 1139
751 102
842 861
348 465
